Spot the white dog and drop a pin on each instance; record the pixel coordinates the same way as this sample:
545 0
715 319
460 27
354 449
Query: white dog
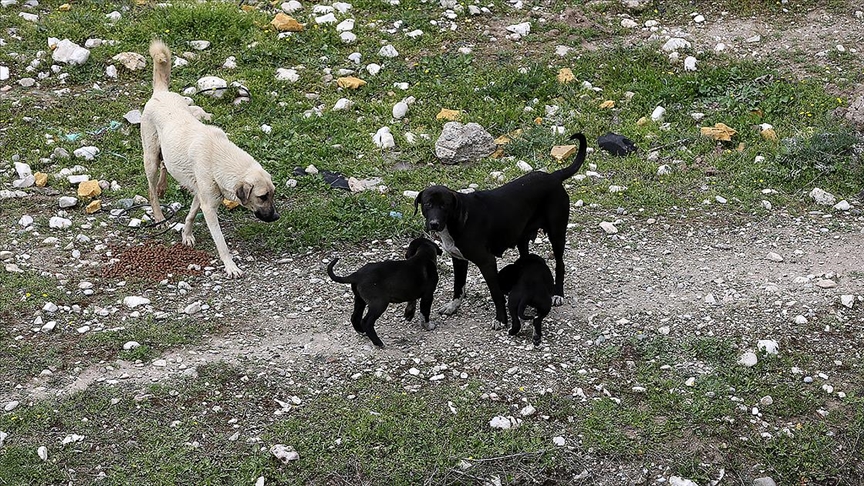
201 158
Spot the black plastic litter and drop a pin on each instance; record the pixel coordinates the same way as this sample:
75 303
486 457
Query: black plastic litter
334 179
615 144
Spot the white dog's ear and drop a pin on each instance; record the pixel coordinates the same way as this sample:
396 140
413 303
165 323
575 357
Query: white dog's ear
243 190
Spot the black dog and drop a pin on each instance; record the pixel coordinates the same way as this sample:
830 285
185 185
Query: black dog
528 283
391 282
479 226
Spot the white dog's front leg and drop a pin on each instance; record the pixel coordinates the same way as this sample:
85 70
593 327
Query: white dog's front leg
213 224
557 300
187 236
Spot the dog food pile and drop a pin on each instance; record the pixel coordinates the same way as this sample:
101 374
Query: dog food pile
156 262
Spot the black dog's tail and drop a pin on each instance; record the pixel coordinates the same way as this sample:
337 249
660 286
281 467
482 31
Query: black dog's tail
337 278
568 172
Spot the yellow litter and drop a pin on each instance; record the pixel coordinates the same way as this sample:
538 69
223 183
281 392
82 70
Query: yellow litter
350 82
718 132
446 114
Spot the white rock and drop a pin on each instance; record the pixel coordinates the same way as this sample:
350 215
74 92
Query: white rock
87 153
767 205
291 7
160 363
559 441
266 128
72 438
113 17
342 7
193 308
130 345
822 197
290 75
616 189
774 257
629 23
134 301
504 423
664 170
826 283
383 138
522 29
843 206
658 114
57 222
43 453
373 69
388 51
675 43
679 481
3 436
414 33
343 104
709 299
83 329
524 166
259 481
528 411
25 221
699 19
67 202
748 359
230 63
199 45
213 86
68 52
769 346
609 228
326 19
847 300
400 109
800 320
4 73
78 179
10 406
345 25
285 454
690 63
690 382
411 194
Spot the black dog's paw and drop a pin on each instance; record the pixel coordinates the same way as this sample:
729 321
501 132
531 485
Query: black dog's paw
514 331
536 340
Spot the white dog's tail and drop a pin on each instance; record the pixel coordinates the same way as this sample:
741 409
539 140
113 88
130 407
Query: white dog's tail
161 65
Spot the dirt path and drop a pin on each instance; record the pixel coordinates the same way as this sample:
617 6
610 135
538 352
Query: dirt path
685 274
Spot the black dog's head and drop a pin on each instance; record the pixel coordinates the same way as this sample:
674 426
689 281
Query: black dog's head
440 206
423 246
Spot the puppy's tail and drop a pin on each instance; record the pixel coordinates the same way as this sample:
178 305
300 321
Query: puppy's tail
568 172
333 276
161 65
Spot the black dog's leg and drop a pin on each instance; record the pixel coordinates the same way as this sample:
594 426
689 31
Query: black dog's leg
514 317
538 323
460 276
490 273
357 315
426 309
410 309
558 239
375 311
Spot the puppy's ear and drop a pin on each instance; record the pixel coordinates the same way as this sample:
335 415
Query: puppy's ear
417 201
243 190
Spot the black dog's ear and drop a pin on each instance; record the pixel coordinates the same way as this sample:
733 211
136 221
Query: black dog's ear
243 190
417 201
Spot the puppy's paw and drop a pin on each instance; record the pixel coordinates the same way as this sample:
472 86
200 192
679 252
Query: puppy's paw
429 326
450 308
232 270
557 300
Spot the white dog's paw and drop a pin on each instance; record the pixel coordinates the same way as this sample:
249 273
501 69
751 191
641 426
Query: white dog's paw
557 300
188 239
429 325
450 308
232 270
497 325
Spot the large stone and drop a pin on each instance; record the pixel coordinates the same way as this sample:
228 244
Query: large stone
286 23
855 112
131 60
68 52
89 189
463 143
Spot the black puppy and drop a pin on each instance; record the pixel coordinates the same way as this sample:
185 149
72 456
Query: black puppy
479 226
528 283
391 282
